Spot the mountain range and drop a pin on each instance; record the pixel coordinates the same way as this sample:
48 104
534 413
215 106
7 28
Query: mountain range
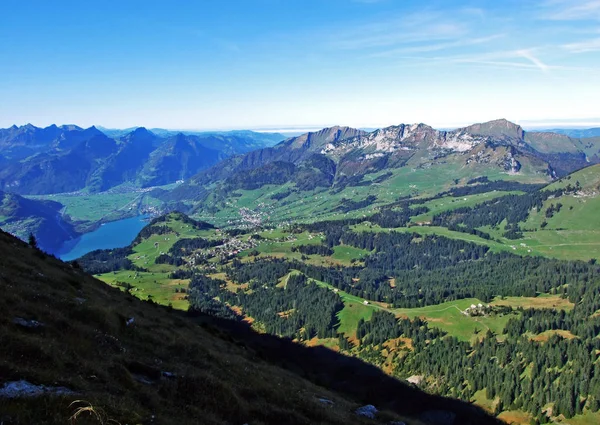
319 173
453 260
576 132
338 157
68 158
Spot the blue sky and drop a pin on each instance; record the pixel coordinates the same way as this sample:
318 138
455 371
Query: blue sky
298 63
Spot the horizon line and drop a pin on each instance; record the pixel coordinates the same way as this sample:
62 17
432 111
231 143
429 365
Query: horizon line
550 124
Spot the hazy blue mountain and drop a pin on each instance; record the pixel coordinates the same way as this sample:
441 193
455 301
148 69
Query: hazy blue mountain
179 157
126 163
237 141
68 158
22 142
57 171
22 216
116 132
577 132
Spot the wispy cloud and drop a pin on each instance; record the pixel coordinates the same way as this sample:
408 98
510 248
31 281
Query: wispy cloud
527 54
416 27
506 59
571 10
592 45
435 47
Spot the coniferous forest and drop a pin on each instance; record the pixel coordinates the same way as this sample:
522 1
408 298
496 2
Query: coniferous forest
294 299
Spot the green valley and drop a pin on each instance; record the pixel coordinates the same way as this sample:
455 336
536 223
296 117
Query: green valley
254 272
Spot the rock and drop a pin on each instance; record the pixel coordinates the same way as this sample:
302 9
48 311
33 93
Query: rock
439 417
142 379
368 411
326 401
23 388
130 321
31 324
415 379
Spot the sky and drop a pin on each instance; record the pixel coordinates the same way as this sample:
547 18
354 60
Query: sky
277 64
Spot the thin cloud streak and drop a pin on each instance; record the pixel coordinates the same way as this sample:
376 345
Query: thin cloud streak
417 27
529 56
592 45
498 59
571 10
438 46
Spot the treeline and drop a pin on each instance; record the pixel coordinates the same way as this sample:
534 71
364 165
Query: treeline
300 310
152 229
398 217
156 228
489 186
202 293
108 260
281 195
186 246
313 250
347 205
196 224
168 259
521 373
427 270
512 208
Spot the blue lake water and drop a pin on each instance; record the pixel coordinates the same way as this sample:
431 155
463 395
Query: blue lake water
115 234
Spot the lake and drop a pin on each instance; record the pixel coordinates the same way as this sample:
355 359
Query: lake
115 234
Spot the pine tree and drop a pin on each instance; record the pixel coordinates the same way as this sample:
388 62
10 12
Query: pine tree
32 241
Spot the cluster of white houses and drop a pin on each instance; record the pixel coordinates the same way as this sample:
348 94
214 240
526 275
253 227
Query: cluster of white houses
477 310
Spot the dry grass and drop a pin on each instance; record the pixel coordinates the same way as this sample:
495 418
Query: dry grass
516 418
545 336
84 409
546 301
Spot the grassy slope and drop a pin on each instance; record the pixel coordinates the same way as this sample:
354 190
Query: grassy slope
449 317
449 203
156 283
574 232
571 234
88 209
222 373
321 203
278 243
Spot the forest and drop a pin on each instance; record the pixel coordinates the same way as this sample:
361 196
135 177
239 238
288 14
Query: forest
540 361
520 373
512 208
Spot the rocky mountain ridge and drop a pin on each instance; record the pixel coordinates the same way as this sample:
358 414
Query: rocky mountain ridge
353 152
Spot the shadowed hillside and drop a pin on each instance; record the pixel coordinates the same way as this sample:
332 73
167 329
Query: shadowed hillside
138 363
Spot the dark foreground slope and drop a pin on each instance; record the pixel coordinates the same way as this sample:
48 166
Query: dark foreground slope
62 328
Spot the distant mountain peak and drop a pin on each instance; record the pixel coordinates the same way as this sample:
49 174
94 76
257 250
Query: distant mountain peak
497 128
72 127
318 139
141 130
